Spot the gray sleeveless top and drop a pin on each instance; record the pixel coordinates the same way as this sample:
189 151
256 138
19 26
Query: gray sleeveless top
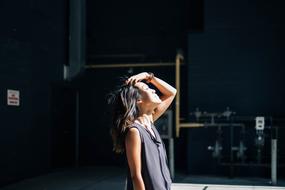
155 172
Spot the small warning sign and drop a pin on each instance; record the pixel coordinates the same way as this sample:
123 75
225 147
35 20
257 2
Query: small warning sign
13 97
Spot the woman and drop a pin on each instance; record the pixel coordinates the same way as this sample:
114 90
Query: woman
136 107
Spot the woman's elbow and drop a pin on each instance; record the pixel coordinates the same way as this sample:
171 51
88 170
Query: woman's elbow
136 177
174 92
138 182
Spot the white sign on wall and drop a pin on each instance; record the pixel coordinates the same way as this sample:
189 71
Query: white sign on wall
13 97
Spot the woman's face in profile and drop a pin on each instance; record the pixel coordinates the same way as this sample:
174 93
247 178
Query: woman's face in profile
148 94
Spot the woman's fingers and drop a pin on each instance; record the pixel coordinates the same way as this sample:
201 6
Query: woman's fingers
130 81
135 78
134 81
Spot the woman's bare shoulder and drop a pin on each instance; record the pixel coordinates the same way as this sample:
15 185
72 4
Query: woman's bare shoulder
132 132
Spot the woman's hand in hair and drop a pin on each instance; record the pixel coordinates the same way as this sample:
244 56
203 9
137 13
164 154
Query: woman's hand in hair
137 78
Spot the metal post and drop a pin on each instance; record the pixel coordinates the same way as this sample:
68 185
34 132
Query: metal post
77 131
171 157
178 60
77 17
231 153
274 161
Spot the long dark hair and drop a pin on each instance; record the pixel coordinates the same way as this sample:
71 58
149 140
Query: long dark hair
124 112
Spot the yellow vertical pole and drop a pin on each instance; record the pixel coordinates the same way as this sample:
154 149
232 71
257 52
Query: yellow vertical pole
178 59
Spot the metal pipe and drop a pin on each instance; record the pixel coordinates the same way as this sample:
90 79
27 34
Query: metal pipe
77 131
231 153
179 58
126 65
193 125
171 157
274 161
77 37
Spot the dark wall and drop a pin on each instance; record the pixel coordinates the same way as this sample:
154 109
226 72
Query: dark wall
32 54
236 62
138 31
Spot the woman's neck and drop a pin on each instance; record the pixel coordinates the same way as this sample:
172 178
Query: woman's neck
145 111
145 120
